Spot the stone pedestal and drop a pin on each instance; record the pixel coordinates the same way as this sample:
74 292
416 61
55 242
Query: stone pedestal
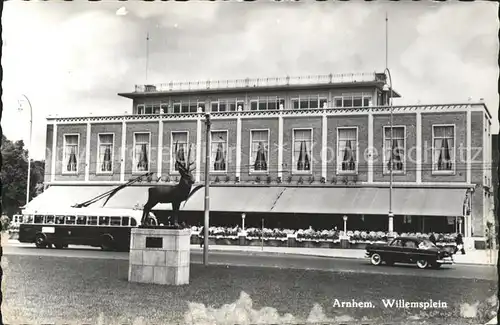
344 241
159 256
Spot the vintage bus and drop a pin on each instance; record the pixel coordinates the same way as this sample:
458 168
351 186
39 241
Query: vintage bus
106 228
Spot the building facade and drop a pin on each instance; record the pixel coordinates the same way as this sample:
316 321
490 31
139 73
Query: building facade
309 149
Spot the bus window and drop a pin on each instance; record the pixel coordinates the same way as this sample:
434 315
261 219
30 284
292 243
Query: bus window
81 220
116 221
59 220
103 221
49 219
125 221
133 223
28 218
70 220
39 218
92 221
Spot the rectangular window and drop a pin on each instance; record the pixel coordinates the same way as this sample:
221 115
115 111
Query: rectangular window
222 106
50 219
443 148
105 153
338 102
357 100
149 109
302 154
81 220
141 152
394 149
295 103
103 221
218 153
70 220
254 105
347 150
214 106
259 151
184 107
179 149
140 109
201 106
71 153
164 109
92 221
193 107
116 221
177 107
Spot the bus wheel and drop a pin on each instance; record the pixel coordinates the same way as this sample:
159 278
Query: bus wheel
40 241
59 246
107 242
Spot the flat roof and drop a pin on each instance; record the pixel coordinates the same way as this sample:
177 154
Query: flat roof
345 80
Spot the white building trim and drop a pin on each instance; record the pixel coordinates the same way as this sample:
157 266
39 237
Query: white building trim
54 154
469 146
418 165
87 152
124 151
370 148
280 146
160 149
238 147
324 151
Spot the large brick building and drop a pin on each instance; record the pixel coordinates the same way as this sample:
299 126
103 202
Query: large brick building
294 151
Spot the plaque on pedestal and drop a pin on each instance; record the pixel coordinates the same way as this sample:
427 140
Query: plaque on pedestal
159 255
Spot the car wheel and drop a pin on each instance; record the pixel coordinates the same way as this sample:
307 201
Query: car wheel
376 259
40 241
422 264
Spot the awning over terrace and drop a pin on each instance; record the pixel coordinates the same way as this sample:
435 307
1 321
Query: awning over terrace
334 200
363 200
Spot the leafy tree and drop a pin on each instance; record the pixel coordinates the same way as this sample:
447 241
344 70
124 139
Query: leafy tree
14 176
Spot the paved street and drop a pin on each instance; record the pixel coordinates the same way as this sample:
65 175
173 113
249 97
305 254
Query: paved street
87 285
263 259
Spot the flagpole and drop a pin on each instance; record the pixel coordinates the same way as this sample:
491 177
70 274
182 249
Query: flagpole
147 56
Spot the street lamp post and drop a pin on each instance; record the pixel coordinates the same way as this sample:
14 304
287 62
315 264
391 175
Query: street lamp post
29 148
207 189
345 225
388 89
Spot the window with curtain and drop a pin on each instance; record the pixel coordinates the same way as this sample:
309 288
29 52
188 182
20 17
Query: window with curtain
444 148
259 155
105 155
179 149
347 145
302 154
141 152
218 151
394 149
71 153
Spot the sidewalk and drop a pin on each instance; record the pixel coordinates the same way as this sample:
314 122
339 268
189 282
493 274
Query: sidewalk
483 257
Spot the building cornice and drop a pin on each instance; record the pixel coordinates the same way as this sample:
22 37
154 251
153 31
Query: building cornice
400 109
264 184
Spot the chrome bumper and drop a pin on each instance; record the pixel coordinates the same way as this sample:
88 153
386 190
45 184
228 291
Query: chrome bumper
446 260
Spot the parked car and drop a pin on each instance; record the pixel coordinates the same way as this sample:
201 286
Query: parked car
409 250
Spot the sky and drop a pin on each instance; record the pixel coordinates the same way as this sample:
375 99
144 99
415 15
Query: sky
72 58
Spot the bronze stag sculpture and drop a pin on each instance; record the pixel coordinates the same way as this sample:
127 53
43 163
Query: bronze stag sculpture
174 194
